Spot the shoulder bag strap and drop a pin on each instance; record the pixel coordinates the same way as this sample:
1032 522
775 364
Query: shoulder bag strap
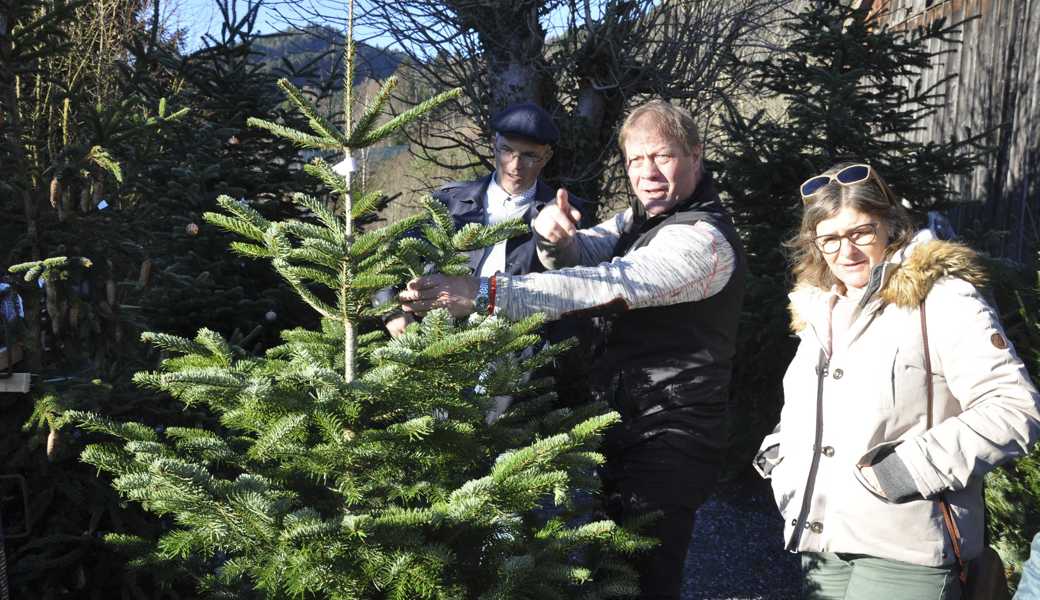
951 524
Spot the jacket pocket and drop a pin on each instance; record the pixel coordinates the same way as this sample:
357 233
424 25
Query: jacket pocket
783 492
909 392
888 381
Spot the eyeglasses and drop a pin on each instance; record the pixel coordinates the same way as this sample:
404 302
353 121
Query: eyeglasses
850 175
527 159
864 235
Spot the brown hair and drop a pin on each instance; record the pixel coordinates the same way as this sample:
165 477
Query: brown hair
872 197
674 122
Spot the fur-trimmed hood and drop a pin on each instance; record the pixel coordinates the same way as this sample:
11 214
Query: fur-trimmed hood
926 263
904 280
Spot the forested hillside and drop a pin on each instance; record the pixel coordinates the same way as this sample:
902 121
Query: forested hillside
319 50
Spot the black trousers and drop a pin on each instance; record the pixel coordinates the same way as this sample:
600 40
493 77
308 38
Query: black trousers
658 475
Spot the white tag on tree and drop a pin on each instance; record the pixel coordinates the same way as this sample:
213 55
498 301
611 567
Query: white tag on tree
344 166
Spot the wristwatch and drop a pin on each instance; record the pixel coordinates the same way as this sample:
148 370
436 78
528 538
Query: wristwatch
480 303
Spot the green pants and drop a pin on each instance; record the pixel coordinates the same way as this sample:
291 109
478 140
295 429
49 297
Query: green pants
829 576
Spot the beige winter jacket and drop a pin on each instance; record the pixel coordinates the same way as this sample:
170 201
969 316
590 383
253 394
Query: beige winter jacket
872 392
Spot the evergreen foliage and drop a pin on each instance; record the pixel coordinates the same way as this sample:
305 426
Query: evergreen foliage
108 163
844 89
1013 490
216 153
341 465
65 132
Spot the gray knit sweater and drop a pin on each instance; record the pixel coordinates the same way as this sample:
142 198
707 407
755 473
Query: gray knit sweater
682 263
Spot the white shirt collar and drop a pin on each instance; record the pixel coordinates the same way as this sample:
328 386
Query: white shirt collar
497 195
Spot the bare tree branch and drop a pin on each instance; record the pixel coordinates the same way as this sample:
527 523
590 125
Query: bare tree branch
586 61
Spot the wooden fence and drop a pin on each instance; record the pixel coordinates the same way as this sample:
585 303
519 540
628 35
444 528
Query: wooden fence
997 90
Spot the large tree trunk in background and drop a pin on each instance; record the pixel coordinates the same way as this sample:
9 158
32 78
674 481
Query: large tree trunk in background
515 66
585 61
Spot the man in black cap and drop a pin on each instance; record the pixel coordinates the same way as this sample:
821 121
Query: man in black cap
523 138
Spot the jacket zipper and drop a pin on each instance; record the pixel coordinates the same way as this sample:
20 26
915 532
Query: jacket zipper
822 370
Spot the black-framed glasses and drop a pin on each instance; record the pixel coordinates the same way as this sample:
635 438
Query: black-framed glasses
864 235
527 159
850 175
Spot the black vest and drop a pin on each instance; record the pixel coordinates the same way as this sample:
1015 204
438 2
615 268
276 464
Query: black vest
668 367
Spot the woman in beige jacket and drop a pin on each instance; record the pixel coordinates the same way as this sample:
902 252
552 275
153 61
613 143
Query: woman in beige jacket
855 469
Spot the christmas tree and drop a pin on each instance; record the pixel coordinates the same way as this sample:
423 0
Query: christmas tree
343 465
132 209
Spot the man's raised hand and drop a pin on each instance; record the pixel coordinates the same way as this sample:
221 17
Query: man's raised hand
558 222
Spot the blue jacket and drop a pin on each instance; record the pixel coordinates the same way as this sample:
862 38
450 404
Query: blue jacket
465 201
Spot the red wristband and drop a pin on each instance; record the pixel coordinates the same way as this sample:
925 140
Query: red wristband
492 285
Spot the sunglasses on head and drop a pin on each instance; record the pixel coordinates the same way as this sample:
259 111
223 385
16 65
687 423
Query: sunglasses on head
850 175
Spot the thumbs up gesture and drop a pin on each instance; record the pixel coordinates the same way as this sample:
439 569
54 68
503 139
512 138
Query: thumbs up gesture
558 222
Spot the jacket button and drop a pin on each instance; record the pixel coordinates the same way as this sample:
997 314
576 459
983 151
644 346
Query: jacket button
816 527
794 522
828 451
838 373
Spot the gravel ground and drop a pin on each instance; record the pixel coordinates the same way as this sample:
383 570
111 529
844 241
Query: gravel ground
737 547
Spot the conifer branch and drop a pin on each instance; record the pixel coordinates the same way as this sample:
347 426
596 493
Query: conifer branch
251 250
367 203
373 112
172 343
406 118
303 140
317 252
312 300
103 159
128 431
365 242
246 213
327 218
321 169
318 123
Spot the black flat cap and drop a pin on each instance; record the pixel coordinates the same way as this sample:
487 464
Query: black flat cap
527 120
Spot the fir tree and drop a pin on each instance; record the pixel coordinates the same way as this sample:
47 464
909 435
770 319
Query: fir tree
155 262
65 132
845 88
1013 490
346 466
191 283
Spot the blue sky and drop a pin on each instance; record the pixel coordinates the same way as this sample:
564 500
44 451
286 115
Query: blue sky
202 16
